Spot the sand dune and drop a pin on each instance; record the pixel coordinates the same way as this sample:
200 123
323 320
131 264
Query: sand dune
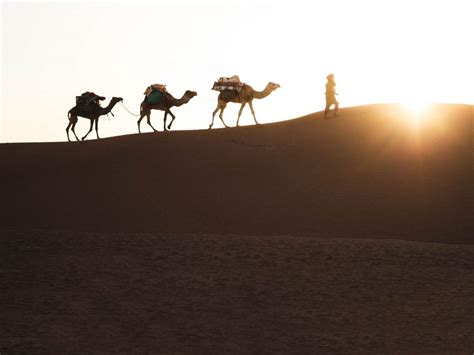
367 173
350 235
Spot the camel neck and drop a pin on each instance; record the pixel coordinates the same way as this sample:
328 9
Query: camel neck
108 108
262 94
178 102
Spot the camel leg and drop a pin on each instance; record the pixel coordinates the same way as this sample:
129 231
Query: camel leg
72 125
73 129
97 128
240 112
221 116
138 122
164 120
220 106
253 112
213 115
172 119
67 130
149 122
90 130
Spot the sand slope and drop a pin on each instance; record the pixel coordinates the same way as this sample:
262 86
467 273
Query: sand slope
367 173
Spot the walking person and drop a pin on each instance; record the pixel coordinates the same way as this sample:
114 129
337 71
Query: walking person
331 96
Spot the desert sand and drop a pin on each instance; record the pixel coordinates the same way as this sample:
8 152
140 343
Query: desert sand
352 234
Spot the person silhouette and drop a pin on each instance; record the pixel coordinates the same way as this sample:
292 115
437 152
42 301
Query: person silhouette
330 95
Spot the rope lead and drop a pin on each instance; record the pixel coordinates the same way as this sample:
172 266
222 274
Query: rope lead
126 109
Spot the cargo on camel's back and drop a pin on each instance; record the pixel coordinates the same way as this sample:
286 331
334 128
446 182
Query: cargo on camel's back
154 93
88 100
231 83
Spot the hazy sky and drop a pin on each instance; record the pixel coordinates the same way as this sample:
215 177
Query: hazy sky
379 50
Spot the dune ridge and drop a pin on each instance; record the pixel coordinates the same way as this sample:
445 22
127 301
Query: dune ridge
368 173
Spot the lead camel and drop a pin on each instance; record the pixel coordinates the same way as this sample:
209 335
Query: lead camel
246 96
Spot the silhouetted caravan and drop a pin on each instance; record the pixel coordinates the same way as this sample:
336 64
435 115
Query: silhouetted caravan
88 106
331 96
158 98
233 90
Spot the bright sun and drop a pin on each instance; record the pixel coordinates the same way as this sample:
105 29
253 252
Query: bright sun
416 110
416 107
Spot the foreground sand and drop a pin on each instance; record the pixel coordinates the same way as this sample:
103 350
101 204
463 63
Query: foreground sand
64 292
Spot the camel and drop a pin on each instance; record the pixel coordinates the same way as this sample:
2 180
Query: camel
246 95
92 113
167 101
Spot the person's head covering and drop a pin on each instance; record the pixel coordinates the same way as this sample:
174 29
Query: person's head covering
330 76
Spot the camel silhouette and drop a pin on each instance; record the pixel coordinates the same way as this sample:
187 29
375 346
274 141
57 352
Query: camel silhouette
246 95
167 101
92 113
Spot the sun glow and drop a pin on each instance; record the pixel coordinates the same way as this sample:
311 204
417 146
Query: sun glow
416 108
415 111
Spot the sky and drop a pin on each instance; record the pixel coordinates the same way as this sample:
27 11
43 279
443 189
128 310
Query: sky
407 51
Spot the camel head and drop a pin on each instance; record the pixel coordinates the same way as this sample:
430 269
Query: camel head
190 93
273 86
117 99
